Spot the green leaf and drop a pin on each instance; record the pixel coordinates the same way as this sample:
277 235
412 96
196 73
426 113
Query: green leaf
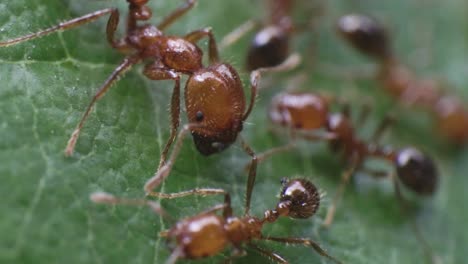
47 83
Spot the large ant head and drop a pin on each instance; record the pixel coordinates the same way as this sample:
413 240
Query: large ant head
365 34
416 171
299 110
215 102
300 196
269 48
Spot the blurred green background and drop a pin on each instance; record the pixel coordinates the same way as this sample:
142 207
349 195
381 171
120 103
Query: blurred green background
46 216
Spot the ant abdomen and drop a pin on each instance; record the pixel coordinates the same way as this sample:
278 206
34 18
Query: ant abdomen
299 110
199 236
268 48
366 35
300 196
215 101
416 171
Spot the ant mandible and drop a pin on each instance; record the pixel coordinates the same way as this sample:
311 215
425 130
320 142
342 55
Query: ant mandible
207 234
214 96
306 113
371 38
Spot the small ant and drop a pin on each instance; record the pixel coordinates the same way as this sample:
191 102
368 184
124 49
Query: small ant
307 113
214 96
207 234
270 45
369 37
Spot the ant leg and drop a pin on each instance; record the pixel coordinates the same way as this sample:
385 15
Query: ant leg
385 124
127 63
164 171
305 242
60 27
268 254
111 28
252 175
196 35
198 191
107 198
176 254
339 192
435 259
364 114
291 62
172 17
155 71
239 32
237 253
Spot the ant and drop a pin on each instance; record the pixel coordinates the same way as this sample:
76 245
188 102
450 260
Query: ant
207 234
214 96
270 45
306 113
371 38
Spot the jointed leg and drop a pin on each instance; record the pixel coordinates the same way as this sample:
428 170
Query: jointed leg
156 72
164 171
304 242
60 27
269 254
252 175
385 124
238 33
118 72
172 17
291 62
196 35
417 232
339 192
237 253
107 198
111 28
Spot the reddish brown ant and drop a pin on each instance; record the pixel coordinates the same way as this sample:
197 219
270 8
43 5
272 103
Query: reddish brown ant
207 234
270 45
214 96
304 113
369 37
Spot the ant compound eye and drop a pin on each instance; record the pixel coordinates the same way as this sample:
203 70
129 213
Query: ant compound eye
199 116
303 197
365 34
416 171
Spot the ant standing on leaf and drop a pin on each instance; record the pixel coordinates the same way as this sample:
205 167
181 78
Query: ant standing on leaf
307 113
270 44
214 96
207 234
371 38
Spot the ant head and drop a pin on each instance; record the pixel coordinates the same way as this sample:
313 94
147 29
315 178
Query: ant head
300 196
269 48
299 110
214 99
365 34
416 170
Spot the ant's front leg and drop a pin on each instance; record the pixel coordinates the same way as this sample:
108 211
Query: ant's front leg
155 71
